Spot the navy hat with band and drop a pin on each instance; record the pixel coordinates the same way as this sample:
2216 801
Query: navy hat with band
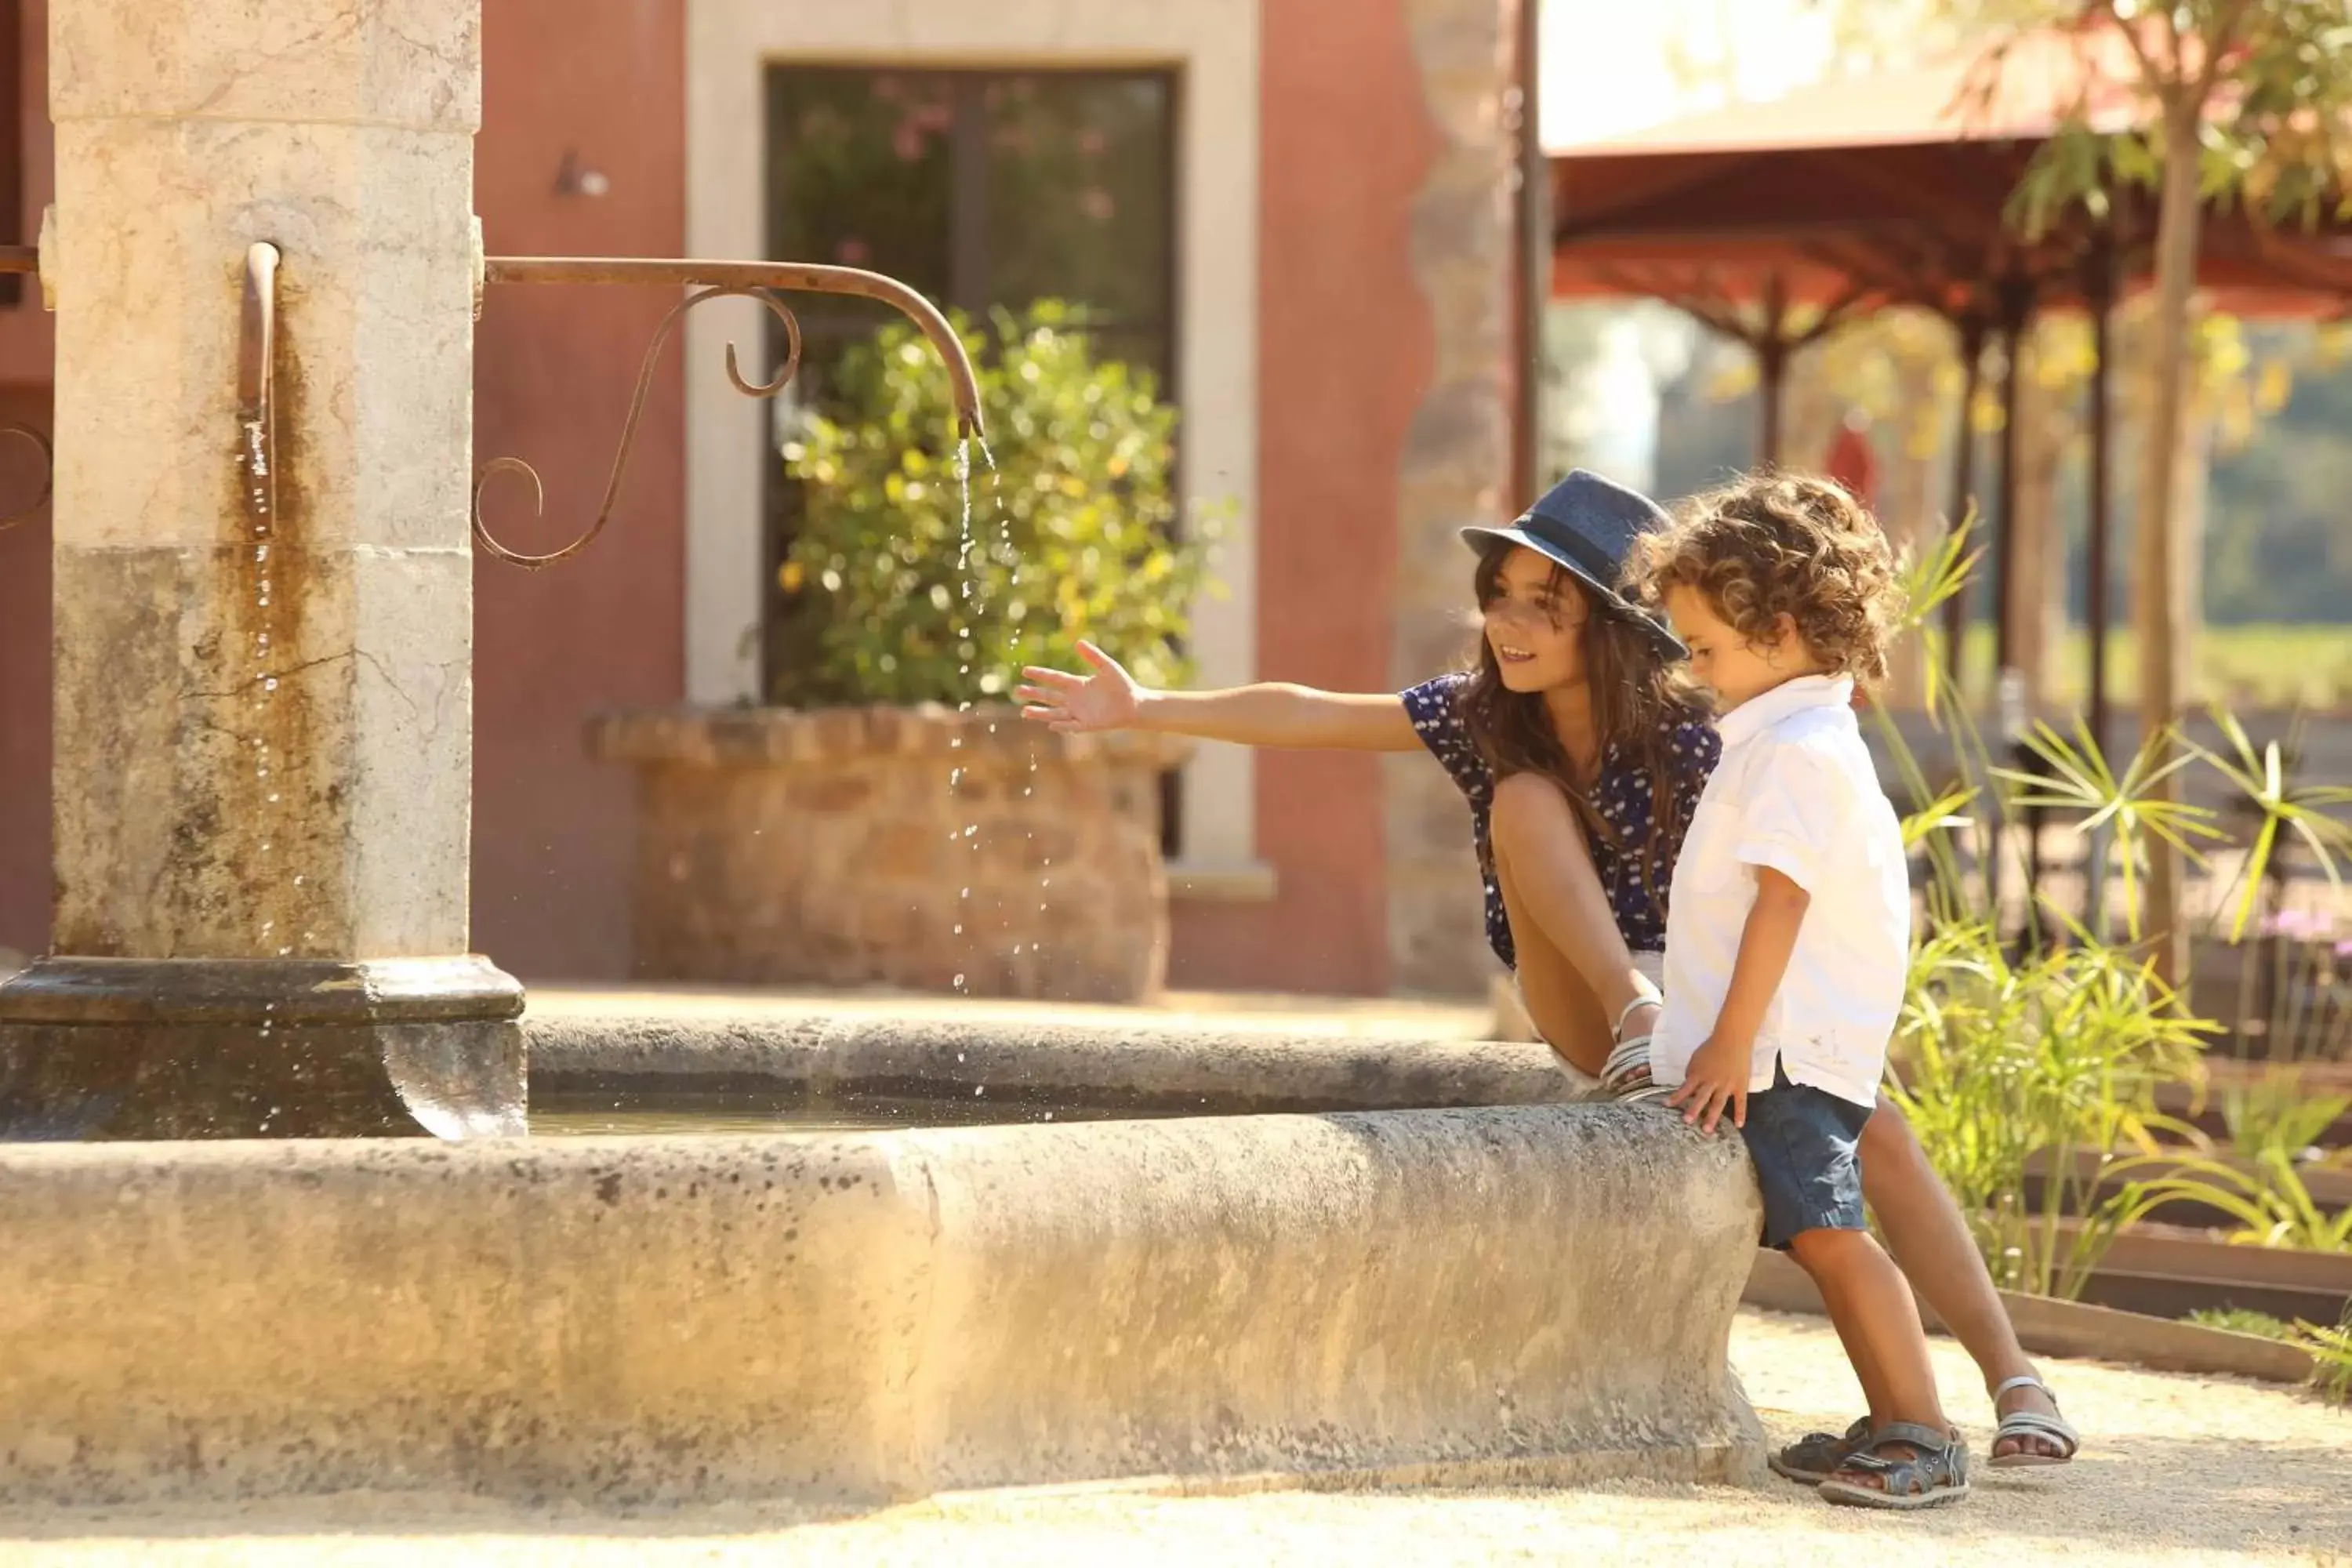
1587 526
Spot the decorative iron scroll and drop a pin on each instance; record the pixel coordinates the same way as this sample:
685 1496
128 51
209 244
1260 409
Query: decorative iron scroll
759 280
495 466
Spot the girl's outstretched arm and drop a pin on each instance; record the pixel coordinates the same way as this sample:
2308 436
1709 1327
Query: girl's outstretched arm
1261 715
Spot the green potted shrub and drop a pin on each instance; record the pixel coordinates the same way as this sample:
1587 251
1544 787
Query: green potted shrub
889 818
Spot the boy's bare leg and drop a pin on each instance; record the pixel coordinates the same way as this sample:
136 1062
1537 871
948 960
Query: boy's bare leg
1878 1321
1931 1241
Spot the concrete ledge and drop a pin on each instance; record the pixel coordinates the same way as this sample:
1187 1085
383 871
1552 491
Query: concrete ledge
1531 1291
1139 1068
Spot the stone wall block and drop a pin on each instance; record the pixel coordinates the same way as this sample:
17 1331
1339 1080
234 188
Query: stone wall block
411 63
849 864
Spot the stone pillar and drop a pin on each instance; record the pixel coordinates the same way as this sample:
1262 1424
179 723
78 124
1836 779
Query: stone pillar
263 777
1456 468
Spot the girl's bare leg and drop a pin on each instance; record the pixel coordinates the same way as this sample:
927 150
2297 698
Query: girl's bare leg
1575 971
1930 1240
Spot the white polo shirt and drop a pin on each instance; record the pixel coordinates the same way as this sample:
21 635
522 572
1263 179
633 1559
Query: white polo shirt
1796 791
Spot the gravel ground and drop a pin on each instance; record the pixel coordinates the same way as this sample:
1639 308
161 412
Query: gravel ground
2179 1470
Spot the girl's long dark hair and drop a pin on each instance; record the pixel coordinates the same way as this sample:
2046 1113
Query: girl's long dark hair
1638 700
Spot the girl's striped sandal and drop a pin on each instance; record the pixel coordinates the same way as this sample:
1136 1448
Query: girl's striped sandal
2023 1424
1625 1076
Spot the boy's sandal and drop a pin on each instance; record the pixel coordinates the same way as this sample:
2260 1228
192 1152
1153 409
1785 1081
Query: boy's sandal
1817 1456
2023 1424
1936 1474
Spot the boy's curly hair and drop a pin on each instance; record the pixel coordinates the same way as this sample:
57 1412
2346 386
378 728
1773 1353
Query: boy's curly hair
1769 545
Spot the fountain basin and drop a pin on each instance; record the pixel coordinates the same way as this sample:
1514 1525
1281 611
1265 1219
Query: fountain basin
1468 1296
697 1068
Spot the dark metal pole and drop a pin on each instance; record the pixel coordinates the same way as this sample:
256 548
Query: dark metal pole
1771 376
1971 329
1535 253
2016 300
2100 295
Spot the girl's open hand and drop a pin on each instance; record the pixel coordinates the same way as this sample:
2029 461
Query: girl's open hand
1074 704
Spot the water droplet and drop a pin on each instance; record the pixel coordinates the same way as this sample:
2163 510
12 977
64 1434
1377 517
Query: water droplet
959 980
978 1090
298 881
959 931
1049 1116
273 797
284 950
969 832
271 684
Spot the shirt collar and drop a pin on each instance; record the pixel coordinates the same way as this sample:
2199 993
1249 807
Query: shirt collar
1759 713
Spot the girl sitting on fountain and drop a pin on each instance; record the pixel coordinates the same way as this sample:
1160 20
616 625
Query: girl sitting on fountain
1790 937
1582 760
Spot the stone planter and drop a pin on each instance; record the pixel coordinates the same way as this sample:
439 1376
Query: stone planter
909 847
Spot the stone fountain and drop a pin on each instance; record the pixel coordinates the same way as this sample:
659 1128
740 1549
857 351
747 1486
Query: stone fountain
266 268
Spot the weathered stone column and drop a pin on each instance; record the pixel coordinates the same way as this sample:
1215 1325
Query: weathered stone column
1457 466
263 780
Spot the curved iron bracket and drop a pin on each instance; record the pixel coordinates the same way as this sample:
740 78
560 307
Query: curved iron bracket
759 280
495 466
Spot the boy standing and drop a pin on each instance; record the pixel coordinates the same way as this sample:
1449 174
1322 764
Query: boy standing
1788 933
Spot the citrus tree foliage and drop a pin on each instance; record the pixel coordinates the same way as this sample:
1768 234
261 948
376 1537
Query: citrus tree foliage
1072 533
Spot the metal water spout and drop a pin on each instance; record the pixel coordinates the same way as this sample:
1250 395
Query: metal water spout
759 280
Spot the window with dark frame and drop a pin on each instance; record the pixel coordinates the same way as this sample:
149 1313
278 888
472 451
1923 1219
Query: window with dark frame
985 190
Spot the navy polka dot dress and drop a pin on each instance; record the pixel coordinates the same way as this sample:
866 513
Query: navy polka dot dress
1622 795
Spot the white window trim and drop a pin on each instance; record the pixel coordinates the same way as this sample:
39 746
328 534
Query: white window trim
1214 45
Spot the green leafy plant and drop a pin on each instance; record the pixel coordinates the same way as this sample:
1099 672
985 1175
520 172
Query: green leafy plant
910 589
2285 808
2270 1203
2048 1065
2238 1320
2330 1348
2276 1112
2331 1355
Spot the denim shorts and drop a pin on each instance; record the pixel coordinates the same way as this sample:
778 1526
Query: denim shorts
1804 1140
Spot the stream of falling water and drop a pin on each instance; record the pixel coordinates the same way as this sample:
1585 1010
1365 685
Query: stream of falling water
971 605
961 630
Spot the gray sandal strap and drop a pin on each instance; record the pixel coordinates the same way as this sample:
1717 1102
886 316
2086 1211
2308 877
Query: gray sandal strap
2034 1423
1936 1473
1648 999
2022 1424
